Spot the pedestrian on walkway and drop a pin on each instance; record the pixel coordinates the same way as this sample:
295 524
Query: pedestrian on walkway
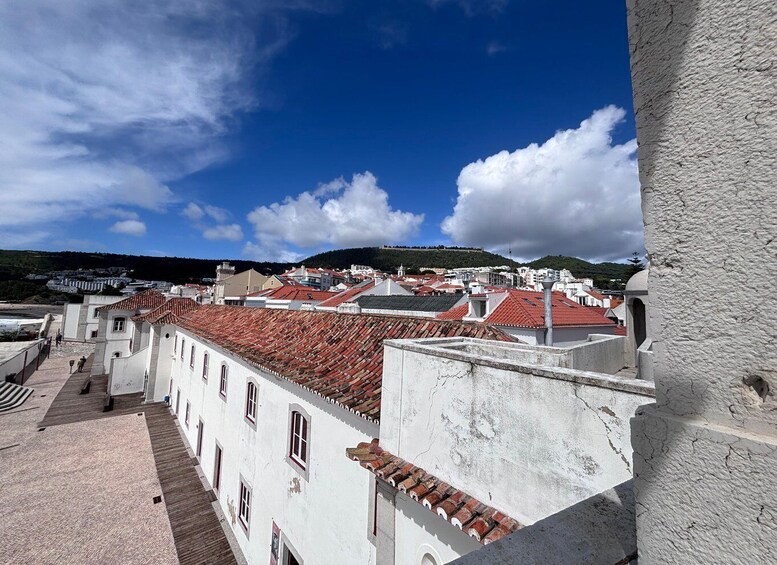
81 363
59 338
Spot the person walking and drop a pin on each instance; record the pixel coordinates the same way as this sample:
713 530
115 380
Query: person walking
81 363
59 338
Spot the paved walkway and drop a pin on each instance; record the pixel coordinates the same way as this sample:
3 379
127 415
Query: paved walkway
191 526
80 492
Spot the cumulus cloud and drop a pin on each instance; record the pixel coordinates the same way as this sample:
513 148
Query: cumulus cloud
129 227
201 216
231 232
108 117
575 194
193 211
338 213
218 214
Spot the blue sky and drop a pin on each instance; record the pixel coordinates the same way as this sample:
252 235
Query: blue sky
275 130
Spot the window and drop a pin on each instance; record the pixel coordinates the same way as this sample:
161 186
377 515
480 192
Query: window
290 556
188 412
298 444
205 367
191 358
183 343
223 381
118 324
217 468
251 401
177 401
245 505
175 345
200 436
94 334
95 313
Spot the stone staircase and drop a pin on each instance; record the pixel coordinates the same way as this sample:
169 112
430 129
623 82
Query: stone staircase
13 395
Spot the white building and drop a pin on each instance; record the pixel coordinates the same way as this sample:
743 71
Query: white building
521 313
80 321
458 466
116 330
270 427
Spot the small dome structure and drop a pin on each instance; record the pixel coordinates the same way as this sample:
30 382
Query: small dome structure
638 282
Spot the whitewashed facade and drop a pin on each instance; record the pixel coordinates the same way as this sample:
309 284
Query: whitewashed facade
322 511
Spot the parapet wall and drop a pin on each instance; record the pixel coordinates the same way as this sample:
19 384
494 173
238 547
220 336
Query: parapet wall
529 439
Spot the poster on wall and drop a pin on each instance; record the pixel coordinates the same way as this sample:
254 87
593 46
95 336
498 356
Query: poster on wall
275 544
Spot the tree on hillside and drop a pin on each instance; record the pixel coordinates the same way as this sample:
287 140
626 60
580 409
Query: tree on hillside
636 264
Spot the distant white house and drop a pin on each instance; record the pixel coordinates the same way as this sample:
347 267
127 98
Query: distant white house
80 321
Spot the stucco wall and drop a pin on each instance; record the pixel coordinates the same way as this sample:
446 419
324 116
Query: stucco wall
70 321
705 92
127 373
159 362
326 516
548 439
601 353
13 361
418 531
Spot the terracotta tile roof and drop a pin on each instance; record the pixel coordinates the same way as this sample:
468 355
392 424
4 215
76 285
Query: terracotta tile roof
168 312
455 313
596 295
621 330
347 295
336 356
294 293
526 309
145 300
480 521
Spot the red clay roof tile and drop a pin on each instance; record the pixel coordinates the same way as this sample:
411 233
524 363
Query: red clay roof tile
526 309
338 356
478 520
145 300
168 312
346 295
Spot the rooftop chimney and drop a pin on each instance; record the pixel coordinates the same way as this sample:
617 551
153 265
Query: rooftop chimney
547 285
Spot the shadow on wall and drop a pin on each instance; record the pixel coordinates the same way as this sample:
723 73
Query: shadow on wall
600 530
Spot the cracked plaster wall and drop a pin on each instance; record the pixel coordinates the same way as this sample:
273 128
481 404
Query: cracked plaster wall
527 445
705 99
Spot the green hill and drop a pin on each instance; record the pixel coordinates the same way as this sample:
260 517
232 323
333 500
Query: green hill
389 259
582 268
179 270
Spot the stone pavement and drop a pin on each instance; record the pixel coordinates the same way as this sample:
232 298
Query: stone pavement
73 493
71 349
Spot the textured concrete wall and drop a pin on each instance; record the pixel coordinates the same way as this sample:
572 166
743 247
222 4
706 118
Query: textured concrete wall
705 94
126 374
548 439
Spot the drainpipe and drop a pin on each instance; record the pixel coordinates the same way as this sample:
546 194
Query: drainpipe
547 285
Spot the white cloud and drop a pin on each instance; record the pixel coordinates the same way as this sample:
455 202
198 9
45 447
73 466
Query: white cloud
231 232
193 211
102 103
218 214
575 194
338 213
129 227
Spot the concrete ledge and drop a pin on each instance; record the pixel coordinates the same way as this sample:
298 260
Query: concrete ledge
600 530
442 348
